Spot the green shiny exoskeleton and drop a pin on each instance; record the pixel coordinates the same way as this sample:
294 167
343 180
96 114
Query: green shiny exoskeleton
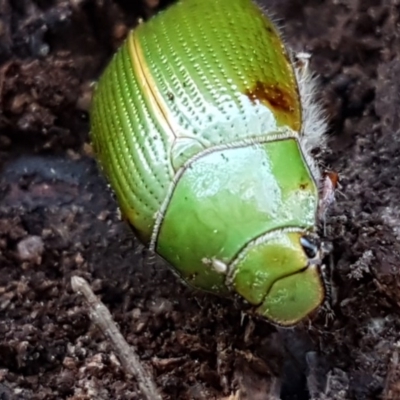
199 122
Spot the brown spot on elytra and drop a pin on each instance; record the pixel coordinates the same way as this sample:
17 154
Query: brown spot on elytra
269 30
303 186
272 96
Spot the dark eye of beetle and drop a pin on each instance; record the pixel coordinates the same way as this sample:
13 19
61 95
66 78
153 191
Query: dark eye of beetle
309 246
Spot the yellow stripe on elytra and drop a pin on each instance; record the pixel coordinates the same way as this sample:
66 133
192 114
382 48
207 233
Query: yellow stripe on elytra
149 86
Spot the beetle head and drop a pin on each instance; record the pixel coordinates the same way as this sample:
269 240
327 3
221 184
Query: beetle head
280 274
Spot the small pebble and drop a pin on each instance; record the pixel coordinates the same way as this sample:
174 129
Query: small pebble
31 249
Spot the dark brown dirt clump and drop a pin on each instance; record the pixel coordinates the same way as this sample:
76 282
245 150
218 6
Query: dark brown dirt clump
58 219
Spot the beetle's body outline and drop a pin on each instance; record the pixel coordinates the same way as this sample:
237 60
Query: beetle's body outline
148 133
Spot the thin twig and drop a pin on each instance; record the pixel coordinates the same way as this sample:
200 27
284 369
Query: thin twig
391 390
101 317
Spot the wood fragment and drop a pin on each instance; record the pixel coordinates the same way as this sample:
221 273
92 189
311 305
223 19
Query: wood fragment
101 317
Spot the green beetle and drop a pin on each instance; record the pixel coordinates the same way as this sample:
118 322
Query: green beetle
204 125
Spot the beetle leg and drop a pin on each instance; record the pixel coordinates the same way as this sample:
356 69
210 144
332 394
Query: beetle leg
303 62
326 272
327 197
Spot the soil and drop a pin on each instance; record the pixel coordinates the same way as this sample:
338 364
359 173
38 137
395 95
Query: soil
59 219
